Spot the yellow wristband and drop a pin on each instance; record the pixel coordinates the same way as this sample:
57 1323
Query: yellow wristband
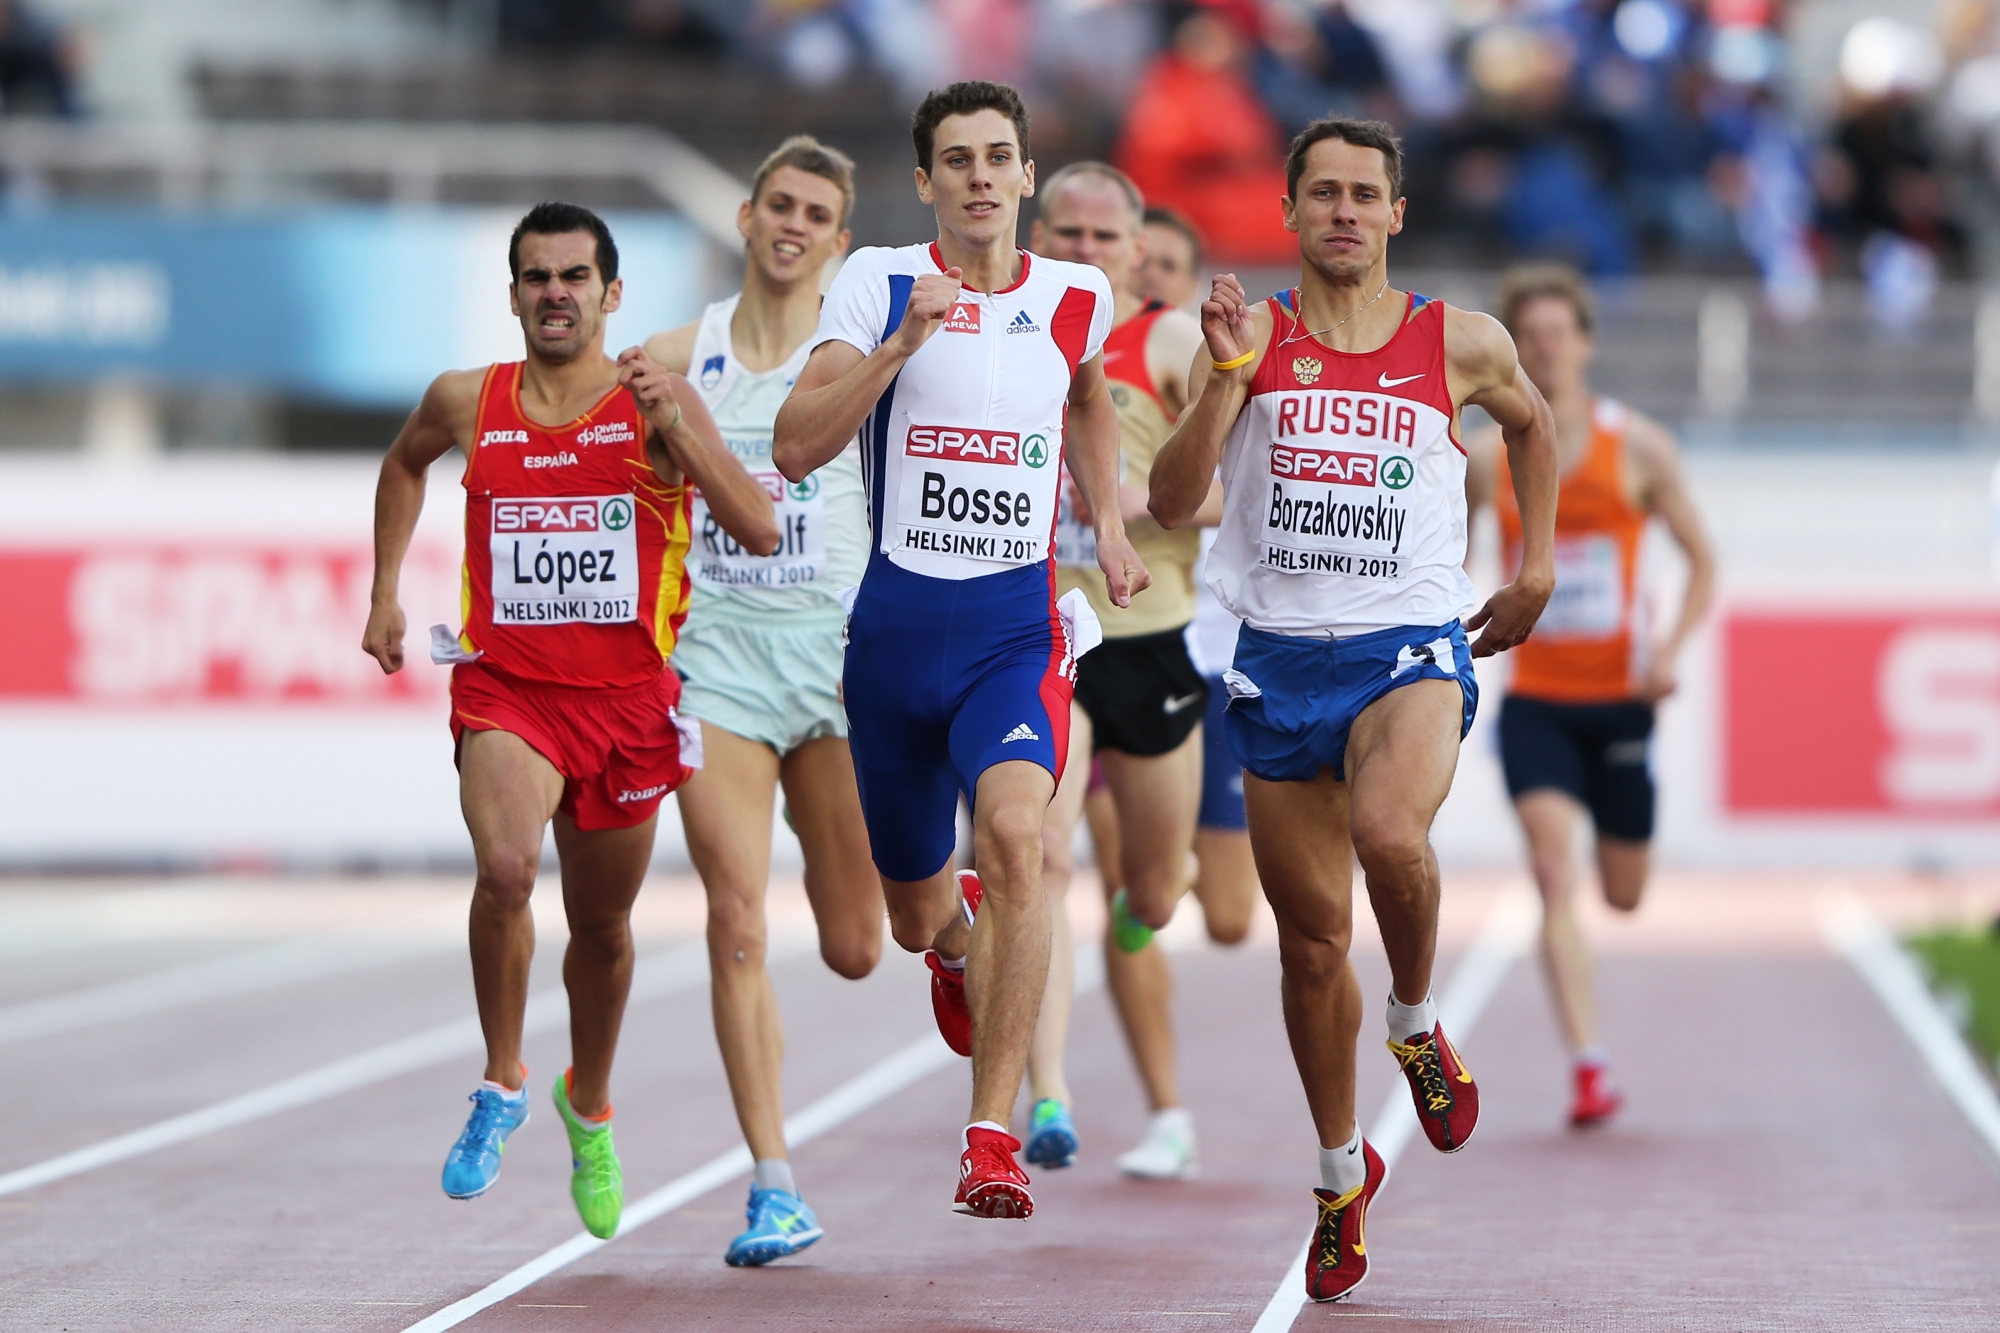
1234 361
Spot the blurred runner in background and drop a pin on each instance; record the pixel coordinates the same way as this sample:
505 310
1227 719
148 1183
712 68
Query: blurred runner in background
760 664
1576 727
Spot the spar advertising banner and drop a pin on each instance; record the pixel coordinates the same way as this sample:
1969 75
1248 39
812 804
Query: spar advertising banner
1877 714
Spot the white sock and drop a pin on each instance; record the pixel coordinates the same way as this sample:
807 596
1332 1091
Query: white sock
965 1138
1176 1120
1342 1168
511 1094
952 964
1411 1020
775 1173
1591 1057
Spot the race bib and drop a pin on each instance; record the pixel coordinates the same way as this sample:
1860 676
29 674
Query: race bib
1336 512
978 493
720 562
1589 600
1076 535
565 560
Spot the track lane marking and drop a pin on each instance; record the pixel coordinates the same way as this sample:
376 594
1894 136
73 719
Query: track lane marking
1502 939
877 1083
241 973
1893 975
675 969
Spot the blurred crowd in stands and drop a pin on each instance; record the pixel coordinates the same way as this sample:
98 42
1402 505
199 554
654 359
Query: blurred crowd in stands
1802 136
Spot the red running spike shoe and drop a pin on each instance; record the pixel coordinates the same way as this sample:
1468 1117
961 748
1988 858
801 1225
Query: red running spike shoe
990 1182
1597 1100
948 1002
1338 1259
1447 1098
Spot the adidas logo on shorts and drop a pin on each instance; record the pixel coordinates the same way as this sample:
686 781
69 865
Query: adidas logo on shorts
1020 733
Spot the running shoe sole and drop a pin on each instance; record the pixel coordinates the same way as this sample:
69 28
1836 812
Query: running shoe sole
757 1253
997 1199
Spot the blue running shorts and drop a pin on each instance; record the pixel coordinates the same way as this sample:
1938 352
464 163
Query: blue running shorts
1221 775
1294 698
945 678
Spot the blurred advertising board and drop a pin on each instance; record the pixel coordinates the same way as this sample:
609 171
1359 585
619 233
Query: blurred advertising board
1875 713
357 305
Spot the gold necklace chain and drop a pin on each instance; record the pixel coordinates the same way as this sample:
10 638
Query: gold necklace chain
1292 338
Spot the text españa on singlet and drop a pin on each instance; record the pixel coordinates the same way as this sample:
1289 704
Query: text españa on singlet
565 559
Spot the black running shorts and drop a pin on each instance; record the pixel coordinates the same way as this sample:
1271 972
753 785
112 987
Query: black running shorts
1598 753
1143 695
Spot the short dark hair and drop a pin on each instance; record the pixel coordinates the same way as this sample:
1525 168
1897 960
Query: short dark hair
962 99
553 218
1159 215
804 153
1533 282
1377 134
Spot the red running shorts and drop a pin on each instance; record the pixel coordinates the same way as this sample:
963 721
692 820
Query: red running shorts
620 751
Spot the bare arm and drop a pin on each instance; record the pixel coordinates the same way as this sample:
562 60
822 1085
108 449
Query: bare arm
1485 372
1482 470
1184 470
1663 491
1170 346
1091 444
840 385
684 440
443 421
674 349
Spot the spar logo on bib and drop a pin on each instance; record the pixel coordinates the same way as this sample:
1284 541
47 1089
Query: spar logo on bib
1398 472
1328 465
969 444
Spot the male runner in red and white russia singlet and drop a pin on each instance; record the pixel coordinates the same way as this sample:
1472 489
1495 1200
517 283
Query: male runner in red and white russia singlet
1334 418
578 478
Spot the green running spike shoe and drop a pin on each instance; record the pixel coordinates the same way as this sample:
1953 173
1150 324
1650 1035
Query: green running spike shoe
1130 933
596 1181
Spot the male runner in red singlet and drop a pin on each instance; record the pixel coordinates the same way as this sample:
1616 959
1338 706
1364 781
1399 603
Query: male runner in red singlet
577 481
1139 696
1577 723
1334 418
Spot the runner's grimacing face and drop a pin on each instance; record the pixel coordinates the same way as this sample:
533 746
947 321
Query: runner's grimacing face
560 298
1090 221
1168 273
1343 211
977 178
1554 349
793 226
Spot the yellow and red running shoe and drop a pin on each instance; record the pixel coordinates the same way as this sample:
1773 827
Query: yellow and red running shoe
1338 1259
1447 1098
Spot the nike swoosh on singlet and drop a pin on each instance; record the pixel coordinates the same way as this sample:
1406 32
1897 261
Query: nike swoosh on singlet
1387 383
1172 706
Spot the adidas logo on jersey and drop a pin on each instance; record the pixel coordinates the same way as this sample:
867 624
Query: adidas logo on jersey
1023 323
1021 733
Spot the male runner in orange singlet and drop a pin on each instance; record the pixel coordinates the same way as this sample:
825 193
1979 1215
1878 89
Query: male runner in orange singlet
577 479
1333 415
1577 723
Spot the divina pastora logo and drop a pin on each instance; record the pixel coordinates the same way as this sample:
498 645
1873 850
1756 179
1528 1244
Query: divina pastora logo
617 514
1035 451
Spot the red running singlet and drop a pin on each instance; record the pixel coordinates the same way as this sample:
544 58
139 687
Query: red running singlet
575 553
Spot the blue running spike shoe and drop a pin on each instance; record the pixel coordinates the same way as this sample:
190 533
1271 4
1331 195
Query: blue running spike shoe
780 1224
1051 1136
474 1163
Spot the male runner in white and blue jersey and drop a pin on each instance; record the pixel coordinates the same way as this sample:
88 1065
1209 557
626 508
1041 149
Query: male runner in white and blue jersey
1333 414
971 369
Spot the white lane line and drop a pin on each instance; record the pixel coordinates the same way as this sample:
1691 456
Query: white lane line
676 969
1891 973
1508 927
242 973
875 1084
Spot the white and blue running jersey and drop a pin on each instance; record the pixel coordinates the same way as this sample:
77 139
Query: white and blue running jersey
962 455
